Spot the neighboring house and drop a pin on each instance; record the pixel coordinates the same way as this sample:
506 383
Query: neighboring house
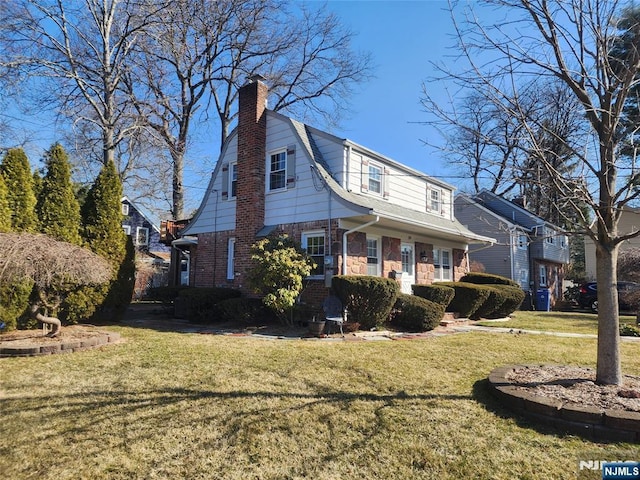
355 211
528 249
629 223
152 256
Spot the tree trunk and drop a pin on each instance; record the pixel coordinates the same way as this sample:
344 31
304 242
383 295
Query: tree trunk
609 371
48 320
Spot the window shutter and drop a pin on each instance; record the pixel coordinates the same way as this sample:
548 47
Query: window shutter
291 166
428 199
225 181
385 183
365 175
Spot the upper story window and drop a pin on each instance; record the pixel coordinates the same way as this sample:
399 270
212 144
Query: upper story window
142 236
435 200
278 170
313 243
127 229
375 179
549 236
233 179
124 208
523 240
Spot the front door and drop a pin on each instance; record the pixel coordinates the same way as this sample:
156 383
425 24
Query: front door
408 267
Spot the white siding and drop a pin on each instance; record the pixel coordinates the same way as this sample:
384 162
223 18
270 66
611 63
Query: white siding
307 200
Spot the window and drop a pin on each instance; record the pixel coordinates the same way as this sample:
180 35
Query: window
124 207
543 276
524 278
127 229
375 179
373 256
406 255
278 170
441 264
549 234
313 243
142 236
523 240
233 179
435 200
231 249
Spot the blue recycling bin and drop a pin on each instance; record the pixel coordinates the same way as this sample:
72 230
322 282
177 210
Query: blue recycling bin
542 300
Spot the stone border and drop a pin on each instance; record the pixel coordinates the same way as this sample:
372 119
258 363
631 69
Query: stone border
588 422
63 346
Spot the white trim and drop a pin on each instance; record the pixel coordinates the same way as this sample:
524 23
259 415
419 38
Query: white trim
438 268
378 257
315 234
138 231
278 151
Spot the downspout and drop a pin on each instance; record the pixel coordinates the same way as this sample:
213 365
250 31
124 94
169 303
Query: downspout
344 241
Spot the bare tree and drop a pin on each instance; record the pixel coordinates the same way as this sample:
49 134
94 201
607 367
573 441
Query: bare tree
53 266
573 42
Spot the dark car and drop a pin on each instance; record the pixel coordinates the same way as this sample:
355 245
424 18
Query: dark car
628 296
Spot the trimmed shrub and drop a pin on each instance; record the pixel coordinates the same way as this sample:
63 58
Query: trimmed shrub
469 297
439 294
493 303
201 302
368 299
416 314
14 304
242 310
488 279
514 296
165 295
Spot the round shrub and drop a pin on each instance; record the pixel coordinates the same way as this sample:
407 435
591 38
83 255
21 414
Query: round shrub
488 279
514 296
493 303
440 294
416 314
242 310
368 299
468 298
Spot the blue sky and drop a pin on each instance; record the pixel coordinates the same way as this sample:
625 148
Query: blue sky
404 37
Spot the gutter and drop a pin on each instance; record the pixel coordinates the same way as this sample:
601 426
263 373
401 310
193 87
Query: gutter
344 241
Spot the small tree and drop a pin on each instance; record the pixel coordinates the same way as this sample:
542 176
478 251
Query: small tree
54 267
22 201
5 211
279 269
57 208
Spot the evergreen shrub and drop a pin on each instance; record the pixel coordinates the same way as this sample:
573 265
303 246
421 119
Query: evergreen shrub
242 310
493 303
468 298
488 279
368 299
440 294
514 296
201 302
416 314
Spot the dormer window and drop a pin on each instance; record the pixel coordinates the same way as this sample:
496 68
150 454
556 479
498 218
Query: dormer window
233 179
278 170
435 200
375 179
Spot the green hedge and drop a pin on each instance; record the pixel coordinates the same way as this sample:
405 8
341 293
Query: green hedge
416 314
468 298
200 303
492 304
488 279
368 299
439 294
514 298
242 310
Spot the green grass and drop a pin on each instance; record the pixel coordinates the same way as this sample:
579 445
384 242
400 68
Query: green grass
173 406
570 322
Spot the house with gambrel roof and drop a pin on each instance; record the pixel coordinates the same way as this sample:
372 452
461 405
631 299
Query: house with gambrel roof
355 211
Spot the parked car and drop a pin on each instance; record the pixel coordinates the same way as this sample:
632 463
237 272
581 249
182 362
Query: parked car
628 296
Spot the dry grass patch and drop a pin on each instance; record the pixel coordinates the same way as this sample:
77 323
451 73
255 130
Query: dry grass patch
165 405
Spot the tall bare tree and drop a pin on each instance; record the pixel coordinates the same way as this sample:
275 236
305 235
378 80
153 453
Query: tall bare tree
200 52
573 42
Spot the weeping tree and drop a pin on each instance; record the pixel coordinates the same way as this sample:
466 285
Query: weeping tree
55 268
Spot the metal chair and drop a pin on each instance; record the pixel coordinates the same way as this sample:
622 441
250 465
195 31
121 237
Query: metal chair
333 312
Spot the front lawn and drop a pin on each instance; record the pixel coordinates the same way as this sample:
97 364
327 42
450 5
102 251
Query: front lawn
570 322
188 406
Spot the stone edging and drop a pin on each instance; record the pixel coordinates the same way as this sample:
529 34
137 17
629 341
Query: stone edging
588 422
63 346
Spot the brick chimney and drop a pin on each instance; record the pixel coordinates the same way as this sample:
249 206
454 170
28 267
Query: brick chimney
250 189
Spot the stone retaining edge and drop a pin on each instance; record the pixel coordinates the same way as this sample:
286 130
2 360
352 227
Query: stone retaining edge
588 422
76 345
